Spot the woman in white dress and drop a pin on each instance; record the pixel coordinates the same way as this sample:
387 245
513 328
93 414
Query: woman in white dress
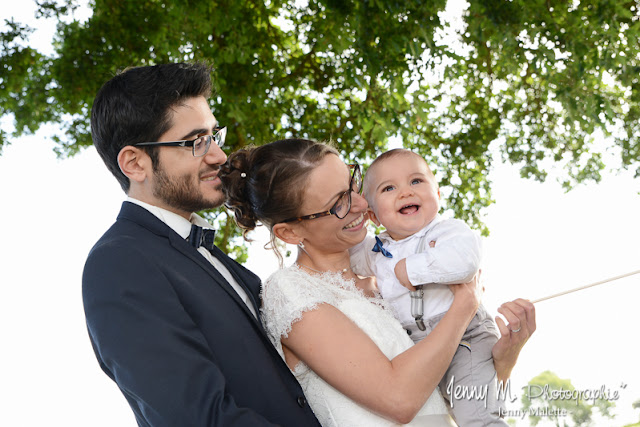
356 364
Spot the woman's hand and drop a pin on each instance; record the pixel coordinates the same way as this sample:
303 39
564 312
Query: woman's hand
521 315
468 292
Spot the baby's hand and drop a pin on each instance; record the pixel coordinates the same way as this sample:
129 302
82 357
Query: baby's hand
401 274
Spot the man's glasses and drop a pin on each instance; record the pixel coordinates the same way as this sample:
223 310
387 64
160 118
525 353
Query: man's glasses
343 206
199 146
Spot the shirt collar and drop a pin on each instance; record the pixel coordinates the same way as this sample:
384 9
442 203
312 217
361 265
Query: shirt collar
384 236
176 222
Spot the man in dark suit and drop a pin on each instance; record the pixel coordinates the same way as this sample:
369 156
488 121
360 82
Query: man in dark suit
174 321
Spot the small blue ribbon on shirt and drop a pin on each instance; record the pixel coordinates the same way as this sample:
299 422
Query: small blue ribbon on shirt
378 248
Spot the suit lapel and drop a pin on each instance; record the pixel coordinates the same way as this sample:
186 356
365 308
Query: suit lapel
146 219
249 281
189 251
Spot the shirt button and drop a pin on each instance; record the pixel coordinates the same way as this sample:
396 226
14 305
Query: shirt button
302 401
408 332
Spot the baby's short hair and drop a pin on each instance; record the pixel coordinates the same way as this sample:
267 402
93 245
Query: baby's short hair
378 161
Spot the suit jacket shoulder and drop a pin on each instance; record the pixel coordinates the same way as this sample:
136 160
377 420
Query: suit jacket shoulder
169 330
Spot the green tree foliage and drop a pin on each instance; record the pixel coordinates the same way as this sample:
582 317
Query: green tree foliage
539 395
534 82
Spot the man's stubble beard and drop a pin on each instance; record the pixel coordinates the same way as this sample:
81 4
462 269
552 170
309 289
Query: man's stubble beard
181 193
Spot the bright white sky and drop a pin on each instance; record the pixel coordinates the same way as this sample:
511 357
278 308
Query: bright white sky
542 241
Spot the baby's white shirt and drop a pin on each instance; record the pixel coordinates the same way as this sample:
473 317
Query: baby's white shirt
454 259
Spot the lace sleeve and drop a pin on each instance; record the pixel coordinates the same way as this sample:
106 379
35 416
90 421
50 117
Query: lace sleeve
286 295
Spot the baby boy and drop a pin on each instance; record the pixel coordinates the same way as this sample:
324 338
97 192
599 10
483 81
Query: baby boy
421 248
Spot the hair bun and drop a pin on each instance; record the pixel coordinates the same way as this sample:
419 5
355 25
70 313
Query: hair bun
235 177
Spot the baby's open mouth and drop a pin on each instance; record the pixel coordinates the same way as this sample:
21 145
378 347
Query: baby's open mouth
409 209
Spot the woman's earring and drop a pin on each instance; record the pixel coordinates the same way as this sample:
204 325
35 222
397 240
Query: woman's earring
301 246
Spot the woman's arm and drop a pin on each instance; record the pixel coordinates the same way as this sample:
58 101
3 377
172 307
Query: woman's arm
521 315
345 357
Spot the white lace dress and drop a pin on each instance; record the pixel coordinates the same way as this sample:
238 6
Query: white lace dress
289 292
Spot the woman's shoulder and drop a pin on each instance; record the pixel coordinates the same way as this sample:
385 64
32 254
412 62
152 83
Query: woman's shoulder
285 272
298 278
286 295
294 287
288 278
291 286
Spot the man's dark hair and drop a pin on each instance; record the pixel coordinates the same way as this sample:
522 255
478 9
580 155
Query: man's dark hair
134 106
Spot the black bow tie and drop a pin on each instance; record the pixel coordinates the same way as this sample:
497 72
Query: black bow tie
201 237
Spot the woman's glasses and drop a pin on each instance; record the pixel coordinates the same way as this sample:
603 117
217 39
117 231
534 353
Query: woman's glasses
343 205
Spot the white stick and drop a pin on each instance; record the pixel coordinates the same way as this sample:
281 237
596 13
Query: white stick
611 279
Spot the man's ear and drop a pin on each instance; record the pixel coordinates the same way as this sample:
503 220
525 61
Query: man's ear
287 233
134 163
373 217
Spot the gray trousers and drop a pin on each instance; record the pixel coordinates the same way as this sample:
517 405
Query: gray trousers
470 384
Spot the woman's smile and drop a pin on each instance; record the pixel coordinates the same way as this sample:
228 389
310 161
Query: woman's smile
356 223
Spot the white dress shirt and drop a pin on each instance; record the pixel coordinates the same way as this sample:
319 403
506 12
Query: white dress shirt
455 258
183 227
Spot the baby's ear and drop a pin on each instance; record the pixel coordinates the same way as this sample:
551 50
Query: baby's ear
373 217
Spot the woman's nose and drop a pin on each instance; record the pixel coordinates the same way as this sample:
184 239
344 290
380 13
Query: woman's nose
358 201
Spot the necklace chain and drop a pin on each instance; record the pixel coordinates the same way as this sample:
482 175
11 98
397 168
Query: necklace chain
344 270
